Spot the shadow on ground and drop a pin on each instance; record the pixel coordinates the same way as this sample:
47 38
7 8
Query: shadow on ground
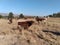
54 32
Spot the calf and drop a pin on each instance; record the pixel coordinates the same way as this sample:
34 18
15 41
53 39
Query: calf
10 20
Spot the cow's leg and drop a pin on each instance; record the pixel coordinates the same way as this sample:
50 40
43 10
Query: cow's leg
18 27
41 22
38 22
44 21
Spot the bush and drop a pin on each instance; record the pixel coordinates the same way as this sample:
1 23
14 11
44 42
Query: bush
21 16
50 16
10 15
1 16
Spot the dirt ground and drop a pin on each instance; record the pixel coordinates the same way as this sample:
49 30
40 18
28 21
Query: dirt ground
36 34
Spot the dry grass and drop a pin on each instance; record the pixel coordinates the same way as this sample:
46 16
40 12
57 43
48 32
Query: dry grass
37 34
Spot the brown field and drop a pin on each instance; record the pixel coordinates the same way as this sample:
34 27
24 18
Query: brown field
37 34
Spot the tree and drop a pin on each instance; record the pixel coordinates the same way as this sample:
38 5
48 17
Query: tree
21 16
1 16
50 16
58 14
10 15
54 14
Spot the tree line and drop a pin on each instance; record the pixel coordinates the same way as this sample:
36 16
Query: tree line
55 15
11 15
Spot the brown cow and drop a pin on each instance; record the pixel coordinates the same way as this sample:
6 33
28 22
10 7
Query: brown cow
41 19
25 23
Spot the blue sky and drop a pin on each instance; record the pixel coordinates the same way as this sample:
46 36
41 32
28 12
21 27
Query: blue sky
30 7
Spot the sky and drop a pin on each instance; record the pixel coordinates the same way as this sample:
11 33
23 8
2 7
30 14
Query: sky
30 7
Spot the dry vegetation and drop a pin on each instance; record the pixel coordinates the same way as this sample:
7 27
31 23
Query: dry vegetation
37 34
